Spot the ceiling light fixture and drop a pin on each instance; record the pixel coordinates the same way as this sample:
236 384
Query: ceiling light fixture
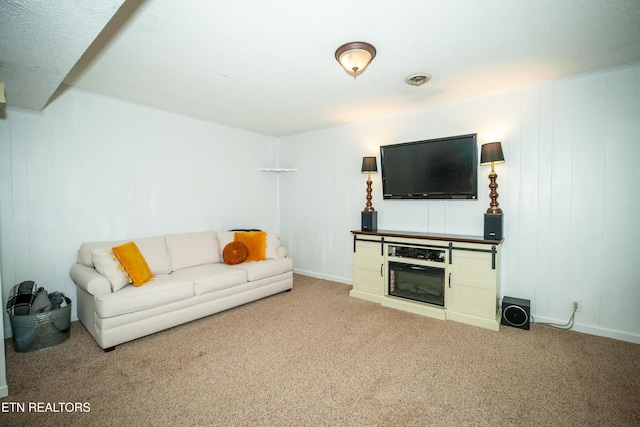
355 57
417 79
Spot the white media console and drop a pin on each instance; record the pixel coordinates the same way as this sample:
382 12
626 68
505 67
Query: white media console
449 277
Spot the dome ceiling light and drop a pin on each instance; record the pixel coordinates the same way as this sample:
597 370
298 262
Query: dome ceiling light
355 57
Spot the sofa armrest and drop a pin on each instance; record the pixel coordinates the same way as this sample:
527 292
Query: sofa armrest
283 252
89 280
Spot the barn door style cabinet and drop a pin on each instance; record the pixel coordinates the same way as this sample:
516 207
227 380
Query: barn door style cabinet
449 277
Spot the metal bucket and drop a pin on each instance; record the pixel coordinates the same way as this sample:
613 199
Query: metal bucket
39 331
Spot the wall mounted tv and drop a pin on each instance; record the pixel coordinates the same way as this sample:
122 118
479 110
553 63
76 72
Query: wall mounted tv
443 168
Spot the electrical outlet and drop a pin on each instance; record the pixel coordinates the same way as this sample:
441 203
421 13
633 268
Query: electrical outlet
575 301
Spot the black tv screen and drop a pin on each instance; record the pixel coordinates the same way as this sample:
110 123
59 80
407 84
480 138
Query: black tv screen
443 168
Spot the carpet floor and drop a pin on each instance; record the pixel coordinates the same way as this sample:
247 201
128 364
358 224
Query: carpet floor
316 357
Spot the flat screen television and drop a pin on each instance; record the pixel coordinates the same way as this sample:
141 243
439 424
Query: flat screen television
442 168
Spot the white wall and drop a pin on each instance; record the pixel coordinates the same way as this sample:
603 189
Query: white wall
570 190
92 168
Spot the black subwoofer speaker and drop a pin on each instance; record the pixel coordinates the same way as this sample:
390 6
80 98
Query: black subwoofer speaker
370 221
516 312
492 226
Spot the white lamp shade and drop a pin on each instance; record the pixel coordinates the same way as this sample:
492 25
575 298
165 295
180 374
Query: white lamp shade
355 61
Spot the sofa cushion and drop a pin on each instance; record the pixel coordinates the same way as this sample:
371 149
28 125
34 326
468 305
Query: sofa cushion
154 249
133 263
164 289
267 268
211 277
191 249
108 265
273 242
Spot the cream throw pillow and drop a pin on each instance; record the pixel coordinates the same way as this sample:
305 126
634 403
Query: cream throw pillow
107 265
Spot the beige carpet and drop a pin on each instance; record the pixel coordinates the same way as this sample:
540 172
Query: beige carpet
316 357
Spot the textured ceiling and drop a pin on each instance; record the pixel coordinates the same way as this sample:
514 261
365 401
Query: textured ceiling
269 66
41 41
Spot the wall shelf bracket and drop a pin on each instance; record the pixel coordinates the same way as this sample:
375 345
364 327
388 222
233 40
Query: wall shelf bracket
277 170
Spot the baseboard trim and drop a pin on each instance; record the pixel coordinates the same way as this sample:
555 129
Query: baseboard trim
592 330
323 276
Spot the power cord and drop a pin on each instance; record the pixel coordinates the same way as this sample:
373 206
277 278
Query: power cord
567 325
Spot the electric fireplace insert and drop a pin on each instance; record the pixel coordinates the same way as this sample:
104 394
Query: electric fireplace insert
417 282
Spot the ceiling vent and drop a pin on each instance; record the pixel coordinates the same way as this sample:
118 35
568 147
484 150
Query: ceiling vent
418 79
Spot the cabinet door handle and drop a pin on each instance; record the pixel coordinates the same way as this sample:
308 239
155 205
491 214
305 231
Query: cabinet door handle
449 279
381 270
493 257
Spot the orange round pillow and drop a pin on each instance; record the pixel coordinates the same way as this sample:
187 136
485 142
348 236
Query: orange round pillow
235 253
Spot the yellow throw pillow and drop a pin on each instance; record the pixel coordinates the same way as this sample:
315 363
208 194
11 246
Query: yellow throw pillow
133 263
256 242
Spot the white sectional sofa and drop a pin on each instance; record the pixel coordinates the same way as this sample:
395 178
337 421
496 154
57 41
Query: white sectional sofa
191 281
